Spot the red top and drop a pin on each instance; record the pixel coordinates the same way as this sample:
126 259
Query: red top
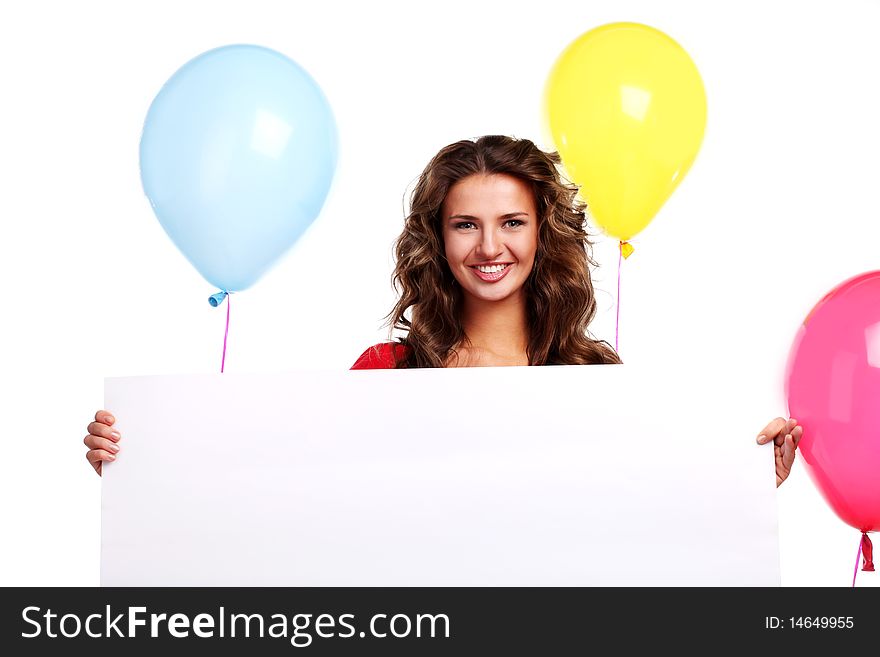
382 356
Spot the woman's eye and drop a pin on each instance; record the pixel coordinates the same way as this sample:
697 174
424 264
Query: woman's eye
515 223
464 225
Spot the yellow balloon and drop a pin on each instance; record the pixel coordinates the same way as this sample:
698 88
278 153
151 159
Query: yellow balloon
626 109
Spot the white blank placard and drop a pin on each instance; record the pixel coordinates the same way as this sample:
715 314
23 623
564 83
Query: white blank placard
568 475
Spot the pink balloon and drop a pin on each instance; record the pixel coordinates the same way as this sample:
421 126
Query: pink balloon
832 384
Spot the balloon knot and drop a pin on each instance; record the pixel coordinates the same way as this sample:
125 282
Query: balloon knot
867 553
216 299
626 249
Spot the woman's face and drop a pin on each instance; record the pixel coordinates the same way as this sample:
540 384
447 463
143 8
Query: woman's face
490 233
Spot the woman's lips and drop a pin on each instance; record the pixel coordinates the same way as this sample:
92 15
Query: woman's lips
493 277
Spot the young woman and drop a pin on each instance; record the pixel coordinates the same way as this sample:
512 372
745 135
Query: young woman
492 269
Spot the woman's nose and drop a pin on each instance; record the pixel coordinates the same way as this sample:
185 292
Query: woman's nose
489 246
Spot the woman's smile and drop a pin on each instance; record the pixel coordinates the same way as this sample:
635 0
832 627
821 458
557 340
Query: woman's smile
492 273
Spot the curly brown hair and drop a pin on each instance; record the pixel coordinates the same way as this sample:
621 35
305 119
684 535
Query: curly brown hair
559 290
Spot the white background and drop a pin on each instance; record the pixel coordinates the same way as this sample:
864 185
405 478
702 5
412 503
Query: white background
779 207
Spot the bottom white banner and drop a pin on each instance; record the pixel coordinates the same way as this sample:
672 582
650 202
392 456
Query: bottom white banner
557 476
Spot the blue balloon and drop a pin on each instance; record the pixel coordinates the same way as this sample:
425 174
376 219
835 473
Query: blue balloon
237 156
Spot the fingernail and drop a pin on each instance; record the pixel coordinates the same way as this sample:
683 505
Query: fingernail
112 457
114 448
115 435
762 439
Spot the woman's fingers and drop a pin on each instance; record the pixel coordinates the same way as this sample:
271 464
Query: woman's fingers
784 458
97 442
104 431
790 424
105 417
788 452
797 433
781 472
102 440
785 441
771 431
777 429
98 456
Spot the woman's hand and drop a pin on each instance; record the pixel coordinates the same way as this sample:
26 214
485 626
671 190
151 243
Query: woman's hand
785 434
102 440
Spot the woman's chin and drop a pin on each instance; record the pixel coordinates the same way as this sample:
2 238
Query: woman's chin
493 294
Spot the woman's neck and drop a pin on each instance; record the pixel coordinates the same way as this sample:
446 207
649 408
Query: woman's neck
497 327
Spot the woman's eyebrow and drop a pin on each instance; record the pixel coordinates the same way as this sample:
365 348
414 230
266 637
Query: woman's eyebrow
509 215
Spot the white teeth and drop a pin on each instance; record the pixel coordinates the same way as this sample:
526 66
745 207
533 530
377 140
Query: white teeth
491 269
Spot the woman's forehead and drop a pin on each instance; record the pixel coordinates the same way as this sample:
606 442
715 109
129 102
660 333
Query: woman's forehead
489 195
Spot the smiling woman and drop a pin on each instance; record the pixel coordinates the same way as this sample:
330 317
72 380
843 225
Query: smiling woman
493 265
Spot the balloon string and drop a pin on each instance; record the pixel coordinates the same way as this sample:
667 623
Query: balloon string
858 558
617 323
228 305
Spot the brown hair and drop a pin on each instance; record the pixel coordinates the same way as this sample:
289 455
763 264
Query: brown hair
559 290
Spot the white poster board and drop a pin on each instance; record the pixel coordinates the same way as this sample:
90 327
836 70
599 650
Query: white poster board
567 475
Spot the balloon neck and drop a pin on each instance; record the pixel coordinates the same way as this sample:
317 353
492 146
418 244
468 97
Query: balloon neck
218 298
626 249
867 553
